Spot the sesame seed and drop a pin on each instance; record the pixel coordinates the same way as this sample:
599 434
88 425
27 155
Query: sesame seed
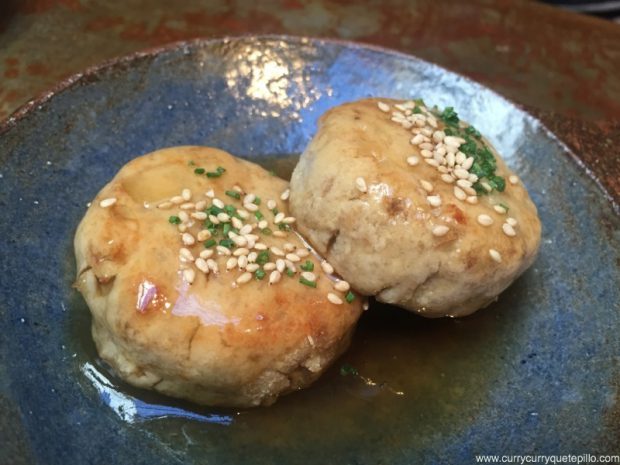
237 188
427 186
302 253
237 223
271 204
250 206
186 194
461 173
240 241
203 235
260 246
241 251
223 217
252 267
499 209
188 239
310 276
105 203
200 205
231 263
460 158
440 230
459 193
361 185
467 163
223 250
285 195
472 199
199 216
472 178
290 265
447 178
279 217
189 275
384 107
469 190
262 224
440 158
252 256
495 255
293 257
426 146
185 255
206 253
463 183
210 193
508 230
428 132
245 229
279 234
274 277
165 205
269 266
177 200
432 162
450 159
513 179
243 214
434 200
426 153
280 265
214 219
288 247
438 136
187 206
334 299
183 216
342 286
182 228
218 203
453 141
327 268
244 278
441 149
486 186
485 220
413 160
242 261
511 221
431 120
213 265
201 264
417 139
249 198
289 220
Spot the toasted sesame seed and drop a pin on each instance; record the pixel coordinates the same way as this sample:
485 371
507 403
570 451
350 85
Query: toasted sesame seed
426 146
285 195
279 234
186 194
242 261
461 173
288 247
252 267
293 257
210 193
334 299
240 241
302 253
187 206
472 178
472 199
271 204
105 203
499 209
252 256
218 203
165 205
447 178
327 268
289 220
469 190
508 230
495 255
417 139
427 186
243 214
360 184
223 250
460 158
262 224
237 223
342 286
440 230
440 158
309 275
249 198
459 193
250 206
384 107
486 186
186 255
463 183
413 161
453 141
244 278
290 265
238 189
188 239
438 136
241 251
200 205
467 163
511 221
213 265
231 263
201 264
223 217
440 148
206 253
450 160
432 121
280 265
260 246
199 216
432 162
182 227
189 275
279 217
434 200
245 229
177 200
513 179
274 277
485 220
269 266
213 219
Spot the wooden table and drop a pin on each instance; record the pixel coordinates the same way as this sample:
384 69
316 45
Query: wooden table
562 67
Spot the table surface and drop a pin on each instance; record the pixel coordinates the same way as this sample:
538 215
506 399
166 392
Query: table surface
562 67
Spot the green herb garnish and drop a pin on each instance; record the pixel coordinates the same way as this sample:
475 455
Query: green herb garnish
290 272
259 216
308 266
449 116
228 243
174 220
233 194
256 201
350 297
199 171
504 206
284 227
263 257
260 273
307 282
226 229
209 243
266 231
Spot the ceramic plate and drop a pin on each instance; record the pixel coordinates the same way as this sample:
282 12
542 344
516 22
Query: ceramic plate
537 372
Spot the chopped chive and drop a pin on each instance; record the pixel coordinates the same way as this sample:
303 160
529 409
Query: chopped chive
262 257
220 170
209 243
256 201
417 110
174 220
228 243
350 297
284 227
259 216
504 206
290 272
307 282
347 369
199 171
308 266
275 211
230 209
214 210
266 231
449 116
260 273
233 194
213 174
226 229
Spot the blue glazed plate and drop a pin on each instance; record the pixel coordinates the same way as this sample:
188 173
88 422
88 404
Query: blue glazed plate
537 372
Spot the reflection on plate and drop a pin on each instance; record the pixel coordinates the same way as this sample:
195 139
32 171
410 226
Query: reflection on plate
535 372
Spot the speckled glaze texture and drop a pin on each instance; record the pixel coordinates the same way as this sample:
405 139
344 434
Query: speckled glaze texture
537 372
